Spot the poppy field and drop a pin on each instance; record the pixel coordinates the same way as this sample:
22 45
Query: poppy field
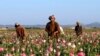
37 43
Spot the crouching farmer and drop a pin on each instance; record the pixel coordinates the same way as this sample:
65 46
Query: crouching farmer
20 32
78 29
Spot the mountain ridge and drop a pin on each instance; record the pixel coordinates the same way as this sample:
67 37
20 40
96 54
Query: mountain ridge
94 24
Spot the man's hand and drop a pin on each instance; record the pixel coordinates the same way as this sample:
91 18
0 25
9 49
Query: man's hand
55 33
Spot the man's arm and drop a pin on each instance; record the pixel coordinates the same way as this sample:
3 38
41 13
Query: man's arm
22 31
81 29
75 28
58 28
46 28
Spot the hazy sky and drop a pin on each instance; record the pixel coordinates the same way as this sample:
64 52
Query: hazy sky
37 11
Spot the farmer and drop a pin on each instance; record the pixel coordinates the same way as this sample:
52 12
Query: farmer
20 32
78 29
52 27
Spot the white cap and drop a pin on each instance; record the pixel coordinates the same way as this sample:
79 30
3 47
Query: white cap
17 24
